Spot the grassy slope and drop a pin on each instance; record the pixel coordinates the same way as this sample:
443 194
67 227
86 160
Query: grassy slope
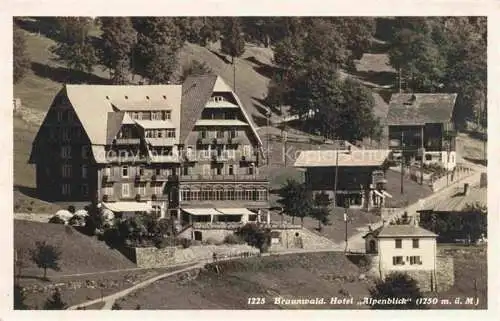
79 253
289 276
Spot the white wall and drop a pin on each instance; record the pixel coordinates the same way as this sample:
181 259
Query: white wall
426 251
447 161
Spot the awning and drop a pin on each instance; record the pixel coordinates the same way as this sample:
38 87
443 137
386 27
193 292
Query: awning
235 211
128 206
201 211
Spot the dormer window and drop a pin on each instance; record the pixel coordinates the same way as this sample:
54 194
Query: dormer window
217 99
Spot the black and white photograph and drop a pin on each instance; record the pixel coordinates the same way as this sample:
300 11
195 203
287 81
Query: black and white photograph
249 162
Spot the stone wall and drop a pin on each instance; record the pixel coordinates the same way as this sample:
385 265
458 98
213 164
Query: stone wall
442 280
149 257
301 238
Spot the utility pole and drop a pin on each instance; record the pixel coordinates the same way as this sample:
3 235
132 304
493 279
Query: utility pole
345 221
268 136
234 75
336 177
400 81
402 161
422 157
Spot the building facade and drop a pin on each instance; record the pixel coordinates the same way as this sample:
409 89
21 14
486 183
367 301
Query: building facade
421 125
163 148
402 248
360 181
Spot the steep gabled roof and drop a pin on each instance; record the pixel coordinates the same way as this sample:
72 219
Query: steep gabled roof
196 91
406 230
328 158
115 120
419 109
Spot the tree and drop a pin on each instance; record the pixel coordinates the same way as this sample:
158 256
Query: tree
19 298
159 40
116 306
76 48
296 200
55 302
21 57
195 68
46 256
321 210
396 286
118 40
255 236
233 41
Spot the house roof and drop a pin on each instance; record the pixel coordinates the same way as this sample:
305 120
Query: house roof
419 109
155 124
196 92
92 103
115 120
220 122
328 158
459 201
406 230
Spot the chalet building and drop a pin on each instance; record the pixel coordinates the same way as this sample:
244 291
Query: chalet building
402 248
177 150
361 179
422 124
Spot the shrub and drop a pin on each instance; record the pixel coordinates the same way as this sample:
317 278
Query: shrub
397 285
255 236
211 241
163 242
56 220
71 209
233 239
185 243
76 220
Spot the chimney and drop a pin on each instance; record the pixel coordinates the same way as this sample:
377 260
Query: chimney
466 189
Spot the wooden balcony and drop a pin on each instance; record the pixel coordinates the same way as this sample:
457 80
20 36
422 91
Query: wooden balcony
127 141
109 178
229 178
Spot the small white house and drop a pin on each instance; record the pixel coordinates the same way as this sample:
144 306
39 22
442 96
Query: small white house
402 248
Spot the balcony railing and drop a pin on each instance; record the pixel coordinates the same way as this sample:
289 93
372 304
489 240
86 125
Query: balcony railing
127 141
217 225
109 178
239 177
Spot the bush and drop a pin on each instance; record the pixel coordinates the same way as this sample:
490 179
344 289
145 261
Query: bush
255 236
71 209
233 239
212 241
77 220
164 242
186 243
56 220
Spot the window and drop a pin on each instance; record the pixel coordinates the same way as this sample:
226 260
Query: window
185 170
125 171
399 243
262 195
230 170
171 133
139 115
167 114
203 133
415 243
69 115
156 116
217 99
85 190
415 260
397 260
84 171
66 189
157 171
66 134
125 190
246 150
66 152
85 152
251 169
206 169
220 134
218 170
108 189
59 115
158 188
233 133
141 171
107 171
66 170
142 189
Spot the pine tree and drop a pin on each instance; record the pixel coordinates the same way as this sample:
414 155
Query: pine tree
55 302
159 40
46 256
21 57
233 41
118 40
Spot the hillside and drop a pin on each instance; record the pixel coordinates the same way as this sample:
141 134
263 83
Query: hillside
319 275
79 253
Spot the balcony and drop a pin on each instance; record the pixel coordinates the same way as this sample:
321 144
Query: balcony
204 141
229 178
127 141
248 158
109 178
142 178
234 140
